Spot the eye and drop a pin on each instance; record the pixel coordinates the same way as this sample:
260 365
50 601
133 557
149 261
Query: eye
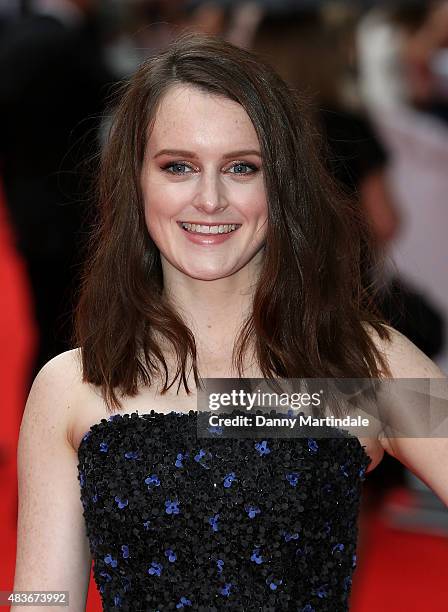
176 168
241 166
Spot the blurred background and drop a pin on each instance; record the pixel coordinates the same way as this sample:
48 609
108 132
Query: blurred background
376 75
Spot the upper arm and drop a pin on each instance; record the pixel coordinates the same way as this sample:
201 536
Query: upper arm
52 547
426 457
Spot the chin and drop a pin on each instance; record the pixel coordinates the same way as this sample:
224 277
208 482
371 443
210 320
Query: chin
206 276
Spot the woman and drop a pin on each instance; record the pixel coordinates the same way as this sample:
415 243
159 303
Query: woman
205 136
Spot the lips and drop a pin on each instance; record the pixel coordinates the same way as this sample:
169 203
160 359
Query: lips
207 238
212 228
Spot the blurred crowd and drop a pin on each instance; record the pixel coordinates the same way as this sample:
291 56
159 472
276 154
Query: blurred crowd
375 73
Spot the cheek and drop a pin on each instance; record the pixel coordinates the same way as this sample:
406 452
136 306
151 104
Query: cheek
260 205
163 199
153 209
251 201
155 203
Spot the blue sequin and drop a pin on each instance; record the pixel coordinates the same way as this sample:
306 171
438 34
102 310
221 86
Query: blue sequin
338 548
273 584
322 592
171 507
121 503
262 448
225 590
171 555
125 551
104 447
215 429
199 455
343 469
229 479
178 463
213 521
109 560
252 511
256 556
183 602
293 478
312 445
152 481
155 569
199 458
131 455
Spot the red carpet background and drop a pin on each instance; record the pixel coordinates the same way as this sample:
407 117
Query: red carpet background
397 571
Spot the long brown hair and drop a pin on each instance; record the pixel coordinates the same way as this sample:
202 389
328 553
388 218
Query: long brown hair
309 310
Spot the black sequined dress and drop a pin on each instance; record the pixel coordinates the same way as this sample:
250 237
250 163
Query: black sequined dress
180 522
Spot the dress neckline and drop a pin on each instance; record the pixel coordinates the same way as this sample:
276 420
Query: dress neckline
127 416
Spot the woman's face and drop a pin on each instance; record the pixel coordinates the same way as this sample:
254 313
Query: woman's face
203 168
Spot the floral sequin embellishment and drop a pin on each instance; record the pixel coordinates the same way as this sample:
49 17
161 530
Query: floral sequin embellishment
292 478
155 569
121 503
172 507
262 448
171 555
175 521
229 479
252 511
152 481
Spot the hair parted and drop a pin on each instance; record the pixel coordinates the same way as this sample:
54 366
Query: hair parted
310 312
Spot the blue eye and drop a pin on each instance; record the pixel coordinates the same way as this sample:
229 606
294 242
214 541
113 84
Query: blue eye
176 167
238 168
241 165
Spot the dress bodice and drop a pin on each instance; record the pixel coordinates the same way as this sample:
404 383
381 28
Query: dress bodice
176 521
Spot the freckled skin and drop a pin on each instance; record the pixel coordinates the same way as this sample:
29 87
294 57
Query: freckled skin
209 126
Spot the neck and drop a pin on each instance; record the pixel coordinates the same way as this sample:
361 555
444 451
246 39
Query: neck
214 310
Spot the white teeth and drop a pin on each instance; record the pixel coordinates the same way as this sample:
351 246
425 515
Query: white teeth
209 229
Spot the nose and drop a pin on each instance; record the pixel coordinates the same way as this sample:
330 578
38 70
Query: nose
210 196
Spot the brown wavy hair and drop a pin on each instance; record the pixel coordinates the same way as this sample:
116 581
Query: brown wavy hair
310 316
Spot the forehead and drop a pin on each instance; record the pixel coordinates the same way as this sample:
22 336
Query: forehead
188 117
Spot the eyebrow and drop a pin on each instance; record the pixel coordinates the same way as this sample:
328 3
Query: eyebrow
183 153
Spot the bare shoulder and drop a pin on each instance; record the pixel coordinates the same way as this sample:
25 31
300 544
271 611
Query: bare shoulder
404 358
47 470
423 456
54 392
65 367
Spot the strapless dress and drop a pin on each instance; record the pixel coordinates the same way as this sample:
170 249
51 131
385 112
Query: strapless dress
180 522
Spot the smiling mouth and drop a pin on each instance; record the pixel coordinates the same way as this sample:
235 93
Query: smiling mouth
209 229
